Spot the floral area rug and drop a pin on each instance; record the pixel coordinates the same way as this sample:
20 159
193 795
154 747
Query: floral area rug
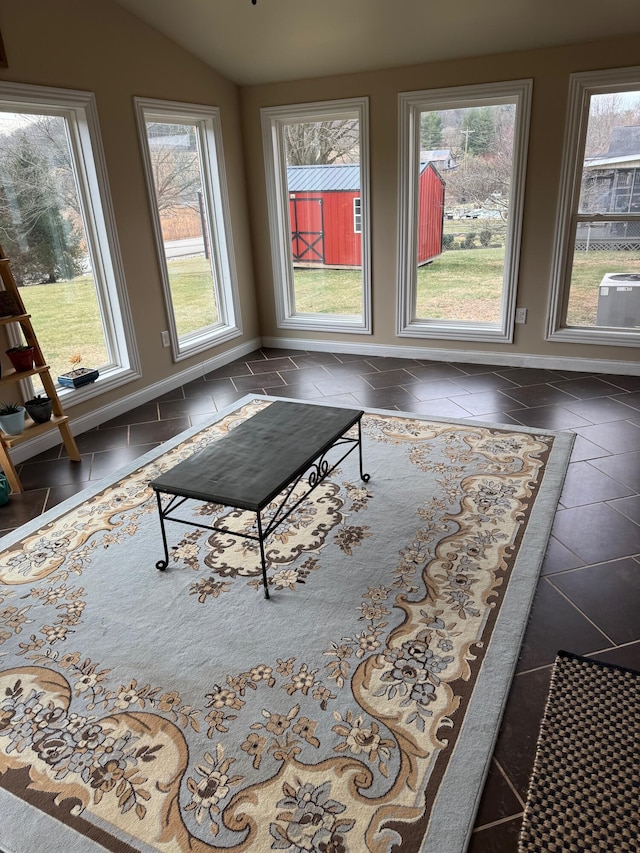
354 711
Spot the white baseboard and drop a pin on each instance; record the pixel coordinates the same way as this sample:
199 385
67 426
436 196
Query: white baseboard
100 415
508 359
503 359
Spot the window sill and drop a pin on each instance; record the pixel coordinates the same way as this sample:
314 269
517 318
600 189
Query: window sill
487 332
598 337
107 381
202 342
329 323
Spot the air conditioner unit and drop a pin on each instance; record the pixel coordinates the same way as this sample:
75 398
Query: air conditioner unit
619 300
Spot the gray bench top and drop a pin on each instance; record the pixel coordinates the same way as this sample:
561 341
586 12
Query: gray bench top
257 459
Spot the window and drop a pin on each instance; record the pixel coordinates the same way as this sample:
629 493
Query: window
317 168
56 226
595 294
357 216
182 146
462 167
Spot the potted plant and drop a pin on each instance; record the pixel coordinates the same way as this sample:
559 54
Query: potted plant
39 408
5 489
79 376
12 418
21 357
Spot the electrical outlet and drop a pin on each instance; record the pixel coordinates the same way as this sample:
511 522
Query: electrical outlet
521 315
165 339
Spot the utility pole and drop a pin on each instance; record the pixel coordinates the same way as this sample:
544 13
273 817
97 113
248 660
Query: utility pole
466 147
464 164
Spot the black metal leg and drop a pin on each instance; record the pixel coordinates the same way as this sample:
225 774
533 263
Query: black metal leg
162 564
363 476
320 470
262 557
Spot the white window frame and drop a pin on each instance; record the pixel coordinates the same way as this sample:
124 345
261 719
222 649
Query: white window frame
218 221
357 216
79 110
273 119
411 104
581 86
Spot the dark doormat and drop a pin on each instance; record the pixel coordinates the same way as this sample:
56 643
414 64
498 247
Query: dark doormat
584 792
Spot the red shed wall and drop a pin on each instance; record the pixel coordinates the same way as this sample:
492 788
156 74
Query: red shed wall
431 215
322 224
339 244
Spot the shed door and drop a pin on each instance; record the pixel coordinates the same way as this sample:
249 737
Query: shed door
307 229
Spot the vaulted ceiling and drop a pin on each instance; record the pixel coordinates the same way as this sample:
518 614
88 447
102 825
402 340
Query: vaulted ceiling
277 40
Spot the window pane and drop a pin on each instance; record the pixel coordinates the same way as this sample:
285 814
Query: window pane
604 287
325 216
176 162
463 196
43 233
605 276
186 182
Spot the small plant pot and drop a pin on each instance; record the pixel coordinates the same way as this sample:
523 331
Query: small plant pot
13 424
21 359
39 410
5 490
79 377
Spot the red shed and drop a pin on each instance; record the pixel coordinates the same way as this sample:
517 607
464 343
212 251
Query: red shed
326 216
431 213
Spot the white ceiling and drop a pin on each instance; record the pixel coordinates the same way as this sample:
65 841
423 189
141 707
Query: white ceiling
278 40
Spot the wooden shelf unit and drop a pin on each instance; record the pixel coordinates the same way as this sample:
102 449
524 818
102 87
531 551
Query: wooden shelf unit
59 420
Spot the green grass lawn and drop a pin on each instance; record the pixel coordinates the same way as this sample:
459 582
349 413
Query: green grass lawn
67 321
463 285
326 291
460 285
192 293
588 271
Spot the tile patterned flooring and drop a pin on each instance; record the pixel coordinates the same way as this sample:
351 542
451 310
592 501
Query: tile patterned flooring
588 597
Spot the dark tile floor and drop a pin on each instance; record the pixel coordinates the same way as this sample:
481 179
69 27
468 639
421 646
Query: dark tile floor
588 598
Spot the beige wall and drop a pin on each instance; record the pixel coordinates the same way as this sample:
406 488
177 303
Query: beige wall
550 70
97 46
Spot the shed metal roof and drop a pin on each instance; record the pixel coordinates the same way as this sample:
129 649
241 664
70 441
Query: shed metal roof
337 176
436 154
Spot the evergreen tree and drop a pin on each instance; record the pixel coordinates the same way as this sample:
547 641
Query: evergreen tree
478 128
43 245
430 130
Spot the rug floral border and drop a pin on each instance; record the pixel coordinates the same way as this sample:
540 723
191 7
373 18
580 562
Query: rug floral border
414 682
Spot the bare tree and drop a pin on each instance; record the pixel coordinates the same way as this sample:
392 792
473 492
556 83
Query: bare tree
317 143
605 113
48 141
485 181
176 167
